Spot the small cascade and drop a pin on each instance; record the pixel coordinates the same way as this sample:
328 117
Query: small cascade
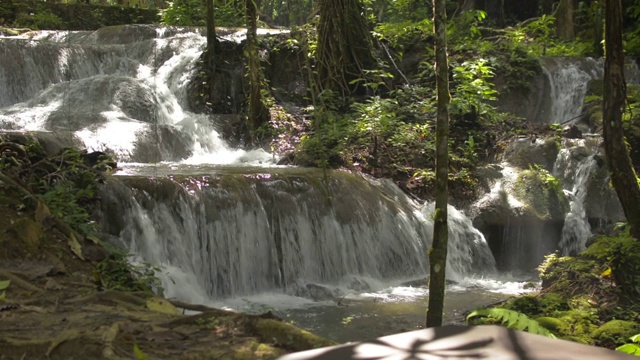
241 233
121 90
568 81
575 165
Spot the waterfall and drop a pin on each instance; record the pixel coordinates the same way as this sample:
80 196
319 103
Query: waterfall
575 165
242 233
568 80
119 89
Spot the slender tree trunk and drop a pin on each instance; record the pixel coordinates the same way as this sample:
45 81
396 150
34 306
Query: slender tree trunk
622 174
212 52
258 113
438 251
564 20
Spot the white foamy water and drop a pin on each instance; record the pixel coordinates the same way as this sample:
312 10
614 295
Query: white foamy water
118 93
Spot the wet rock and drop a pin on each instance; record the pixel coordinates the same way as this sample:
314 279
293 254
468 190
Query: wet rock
524 152
93 252
315 292
416 283
359 285
51 284
571 132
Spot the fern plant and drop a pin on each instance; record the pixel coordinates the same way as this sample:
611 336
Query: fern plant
512 320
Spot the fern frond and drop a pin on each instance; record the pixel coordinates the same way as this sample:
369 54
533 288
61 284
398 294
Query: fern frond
512 320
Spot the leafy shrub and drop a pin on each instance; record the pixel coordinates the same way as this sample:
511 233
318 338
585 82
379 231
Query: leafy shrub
512 320
40 20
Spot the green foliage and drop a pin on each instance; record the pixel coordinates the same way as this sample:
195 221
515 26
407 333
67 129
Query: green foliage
194 13
185 13
632 348
40 20
615 333
400 34
622 255
473 88
118 272
466 28
512 320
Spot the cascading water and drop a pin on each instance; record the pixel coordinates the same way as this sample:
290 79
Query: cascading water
575 165
568 80
251 232
121 90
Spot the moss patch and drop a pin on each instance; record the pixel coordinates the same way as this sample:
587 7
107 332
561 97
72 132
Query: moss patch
541 193
615 333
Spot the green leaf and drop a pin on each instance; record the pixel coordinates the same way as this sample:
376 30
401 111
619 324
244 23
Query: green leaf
632 349
140 355
513 320
635 338
3 296
4 284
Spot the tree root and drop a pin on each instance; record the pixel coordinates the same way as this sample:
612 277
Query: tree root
18 281
114 296
201 308
66 336
109 337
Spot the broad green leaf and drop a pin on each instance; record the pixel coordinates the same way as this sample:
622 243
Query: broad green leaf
635 338
633 349
3 296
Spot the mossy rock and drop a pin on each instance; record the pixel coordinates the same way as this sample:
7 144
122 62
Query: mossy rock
615 333
550 323
553 302
577 324
576 339
527 304
288 336
28 233
542 194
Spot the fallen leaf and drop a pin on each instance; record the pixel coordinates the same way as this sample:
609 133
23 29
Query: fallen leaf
75 246
162 306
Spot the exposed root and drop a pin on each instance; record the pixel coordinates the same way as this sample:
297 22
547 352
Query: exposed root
113 296
201 308
66 336
109 338
18 281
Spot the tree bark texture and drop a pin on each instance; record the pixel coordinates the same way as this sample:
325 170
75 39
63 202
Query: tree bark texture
623 176
211 49
257 112
345 46
438 251
564 20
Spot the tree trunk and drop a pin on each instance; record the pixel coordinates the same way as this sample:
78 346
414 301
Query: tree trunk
622 174
212 51
345 46
564 20
257 112
466 5
438 251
